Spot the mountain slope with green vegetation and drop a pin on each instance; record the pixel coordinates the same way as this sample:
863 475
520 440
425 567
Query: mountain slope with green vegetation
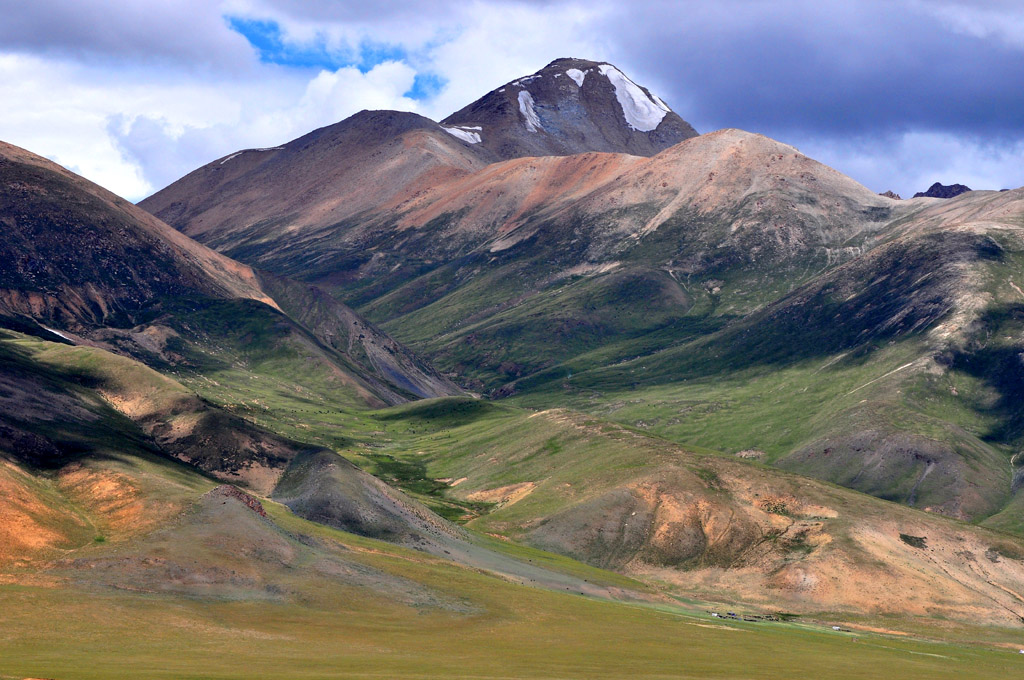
893 374
81 262
685 292
712 525
737 406
161 546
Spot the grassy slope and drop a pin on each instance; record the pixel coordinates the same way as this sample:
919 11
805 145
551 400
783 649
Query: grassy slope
240 341
781 410
558 479
78 471
484 318
756 413
793 379
511 631
488 330
389 444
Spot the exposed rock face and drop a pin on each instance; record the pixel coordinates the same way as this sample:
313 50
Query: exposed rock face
73 254
939 190
570 106
328 489
229 491
891 194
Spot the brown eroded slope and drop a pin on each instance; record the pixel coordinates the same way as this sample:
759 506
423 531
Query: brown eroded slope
322 178
719 528
779 202
773 203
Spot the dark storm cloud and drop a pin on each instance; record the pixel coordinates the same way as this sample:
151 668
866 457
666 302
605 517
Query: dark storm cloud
386 10
123 31
825 68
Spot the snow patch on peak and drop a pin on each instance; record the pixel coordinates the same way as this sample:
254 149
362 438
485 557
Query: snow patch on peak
529 113
465 133
239 153
520 82
657 100
640 111
577 75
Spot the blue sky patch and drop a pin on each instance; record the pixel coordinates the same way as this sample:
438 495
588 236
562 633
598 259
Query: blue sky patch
270 42
425 86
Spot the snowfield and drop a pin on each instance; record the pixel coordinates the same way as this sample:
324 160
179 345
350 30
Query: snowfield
466 134
529 113
640 111
58 333
577 75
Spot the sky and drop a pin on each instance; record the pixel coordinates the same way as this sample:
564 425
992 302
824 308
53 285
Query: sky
134 94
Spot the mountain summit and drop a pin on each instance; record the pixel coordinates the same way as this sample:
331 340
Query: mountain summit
375 162
570 106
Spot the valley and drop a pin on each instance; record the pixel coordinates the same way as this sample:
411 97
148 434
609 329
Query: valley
503 396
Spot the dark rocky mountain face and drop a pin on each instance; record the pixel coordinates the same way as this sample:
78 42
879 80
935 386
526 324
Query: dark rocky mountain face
939 190
570 106
76 258
75 255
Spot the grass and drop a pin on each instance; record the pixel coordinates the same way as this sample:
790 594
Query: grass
541 636
513 631
780 410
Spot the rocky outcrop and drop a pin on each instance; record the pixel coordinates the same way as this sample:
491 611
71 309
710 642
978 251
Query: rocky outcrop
229 491
939 190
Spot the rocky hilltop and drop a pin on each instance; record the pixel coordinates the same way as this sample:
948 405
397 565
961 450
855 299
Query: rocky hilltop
940 190
570 106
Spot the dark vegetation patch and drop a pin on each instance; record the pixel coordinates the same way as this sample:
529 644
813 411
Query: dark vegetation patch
439 413
776 506
914 541
709 477
896 292
1001 366
1005 549
411 477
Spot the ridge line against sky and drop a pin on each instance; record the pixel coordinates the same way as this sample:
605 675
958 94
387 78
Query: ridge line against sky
133 94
